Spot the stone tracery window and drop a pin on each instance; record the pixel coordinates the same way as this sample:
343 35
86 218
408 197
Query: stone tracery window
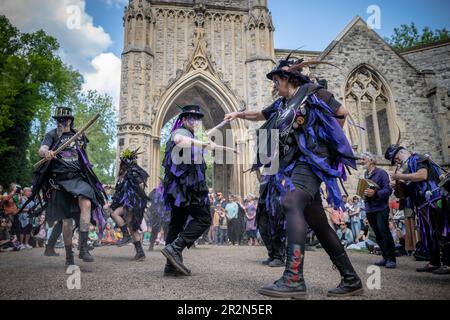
367 99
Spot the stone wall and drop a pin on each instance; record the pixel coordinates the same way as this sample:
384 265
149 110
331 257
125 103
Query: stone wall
435 58
434 61
410 108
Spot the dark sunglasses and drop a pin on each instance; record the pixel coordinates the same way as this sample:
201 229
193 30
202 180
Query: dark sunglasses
62 120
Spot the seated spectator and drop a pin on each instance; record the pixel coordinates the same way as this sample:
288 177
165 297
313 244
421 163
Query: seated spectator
108 236
5 238
118 234
363 240
399 240
92 237
39 234
337 217
345 235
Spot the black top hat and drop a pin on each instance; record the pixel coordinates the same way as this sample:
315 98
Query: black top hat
282 68
190 110
63 112
392 151
285 69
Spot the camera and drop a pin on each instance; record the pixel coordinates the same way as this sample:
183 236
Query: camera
18 189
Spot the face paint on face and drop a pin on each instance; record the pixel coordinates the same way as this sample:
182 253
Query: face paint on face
276 84
193 121
63 123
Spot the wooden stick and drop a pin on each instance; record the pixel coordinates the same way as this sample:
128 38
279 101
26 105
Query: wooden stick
68 142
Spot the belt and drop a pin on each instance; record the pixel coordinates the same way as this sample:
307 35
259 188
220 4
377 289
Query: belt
65 176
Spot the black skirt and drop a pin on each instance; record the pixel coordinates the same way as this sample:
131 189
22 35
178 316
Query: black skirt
63 203
305 179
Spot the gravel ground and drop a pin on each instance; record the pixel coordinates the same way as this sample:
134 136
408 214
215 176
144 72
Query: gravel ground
219 273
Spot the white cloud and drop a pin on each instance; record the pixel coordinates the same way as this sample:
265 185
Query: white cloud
117 3
78 46
106 77
83 48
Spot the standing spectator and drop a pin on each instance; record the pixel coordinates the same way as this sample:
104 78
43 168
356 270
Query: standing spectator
25 220
362 211
354 214
232 210
215 227
223 226
250 227
221 200
241 220
212 230
410 226
377 209
2 213
11 204
345 235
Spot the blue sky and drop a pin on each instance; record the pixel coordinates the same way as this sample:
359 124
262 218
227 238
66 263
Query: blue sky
95 46
312 24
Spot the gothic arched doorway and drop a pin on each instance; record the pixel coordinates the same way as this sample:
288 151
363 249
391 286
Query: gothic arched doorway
202 89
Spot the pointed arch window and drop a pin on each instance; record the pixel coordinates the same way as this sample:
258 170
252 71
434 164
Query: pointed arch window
368 100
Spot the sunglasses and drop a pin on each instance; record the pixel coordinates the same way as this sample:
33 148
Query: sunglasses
62 120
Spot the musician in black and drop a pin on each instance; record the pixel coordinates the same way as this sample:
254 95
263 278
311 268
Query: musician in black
419 180
377 209
68 183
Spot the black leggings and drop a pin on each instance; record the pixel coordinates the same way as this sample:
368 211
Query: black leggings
301 210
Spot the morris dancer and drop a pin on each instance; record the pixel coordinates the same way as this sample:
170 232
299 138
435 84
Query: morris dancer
420 180
72 188
313 149
130 201
185 189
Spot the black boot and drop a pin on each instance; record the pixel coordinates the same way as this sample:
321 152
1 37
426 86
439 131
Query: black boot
292 284
173 253
171 272
69 256
351 284
83 247
50 247
140 255
126 239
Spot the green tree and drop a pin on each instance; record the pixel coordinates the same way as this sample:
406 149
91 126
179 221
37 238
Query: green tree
32 79
101 147
408 36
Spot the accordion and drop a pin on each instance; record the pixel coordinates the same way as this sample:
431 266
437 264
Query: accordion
365 184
